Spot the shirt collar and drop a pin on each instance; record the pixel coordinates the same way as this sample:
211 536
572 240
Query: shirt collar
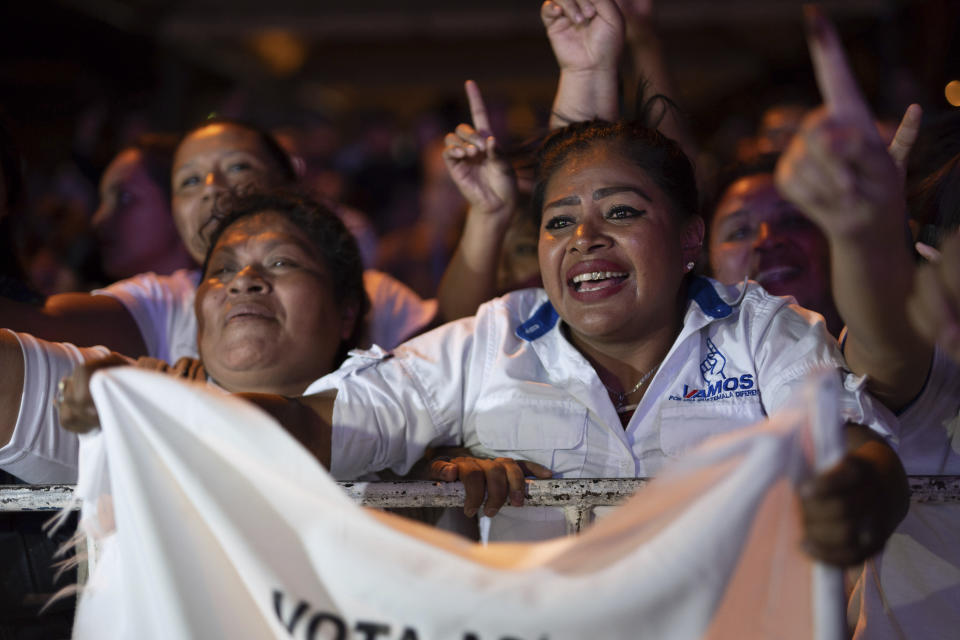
701 290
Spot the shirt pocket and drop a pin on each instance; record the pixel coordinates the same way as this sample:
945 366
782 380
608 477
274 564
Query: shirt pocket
548 431
685 426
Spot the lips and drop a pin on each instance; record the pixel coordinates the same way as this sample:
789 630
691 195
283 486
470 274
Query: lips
249 311
776 273
595 279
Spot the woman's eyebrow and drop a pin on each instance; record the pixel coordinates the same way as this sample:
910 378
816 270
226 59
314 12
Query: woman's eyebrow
563 202
600 194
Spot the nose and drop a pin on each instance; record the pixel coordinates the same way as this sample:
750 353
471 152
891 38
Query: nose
768 236
212 184
249 280
588 236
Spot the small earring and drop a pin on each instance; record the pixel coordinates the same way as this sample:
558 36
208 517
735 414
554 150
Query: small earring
691 265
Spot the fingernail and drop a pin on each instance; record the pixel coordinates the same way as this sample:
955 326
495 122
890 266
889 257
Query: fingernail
516 498
490 512
470 511
578 17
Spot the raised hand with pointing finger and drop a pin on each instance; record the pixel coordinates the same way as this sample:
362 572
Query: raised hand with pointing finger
838 171
485 179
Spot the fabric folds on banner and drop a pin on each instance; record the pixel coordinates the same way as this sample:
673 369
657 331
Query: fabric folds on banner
215 523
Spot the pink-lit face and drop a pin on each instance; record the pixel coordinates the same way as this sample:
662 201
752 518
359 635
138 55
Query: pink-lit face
133 223
757 234
612 252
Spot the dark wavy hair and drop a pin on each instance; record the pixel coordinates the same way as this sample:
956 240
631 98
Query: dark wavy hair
660 158
935 203
335 245
280 158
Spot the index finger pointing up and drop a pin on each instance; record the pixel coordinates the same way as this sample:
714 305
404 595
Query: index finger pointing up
478 110
839 89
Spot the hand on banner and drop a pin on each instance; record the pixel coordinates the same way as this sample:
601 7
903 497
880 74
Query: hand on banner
73 399
484 178
851 509
586 35
934 305
500 478
186 368
837 169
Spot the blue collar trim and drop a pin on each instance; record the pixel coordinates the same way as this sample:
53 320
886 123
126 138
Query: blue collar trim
706 297
543 320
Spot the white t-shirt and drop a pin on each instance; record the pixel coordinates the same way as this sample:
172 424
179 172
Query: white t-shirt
162 307
508 383
912 590
40 452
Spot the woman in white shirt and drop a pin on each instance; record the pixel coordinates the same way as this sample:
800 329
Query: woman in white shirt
622 361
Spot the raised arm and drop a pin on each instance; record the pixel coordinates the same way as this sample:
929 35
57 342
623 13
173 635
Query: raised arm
489 185
77 318
839 173
646 63
587 39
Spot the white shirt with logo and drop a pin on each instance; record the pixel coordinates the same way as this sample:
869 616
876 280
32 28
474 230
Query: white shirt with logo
508 383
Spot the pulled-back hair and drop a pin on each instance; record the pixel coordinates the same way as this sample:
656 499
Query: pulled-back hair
660 158
276 153
334 244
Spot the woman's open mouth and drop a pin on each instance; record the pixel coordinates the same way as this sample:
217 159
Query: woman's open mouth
597 280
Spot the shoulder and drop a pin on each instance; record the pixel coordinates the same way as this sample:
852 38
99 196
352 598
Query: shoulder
396 311
180 283
516 306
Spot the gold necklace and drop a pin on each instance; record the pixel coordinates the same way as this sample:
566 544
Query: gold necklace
619 398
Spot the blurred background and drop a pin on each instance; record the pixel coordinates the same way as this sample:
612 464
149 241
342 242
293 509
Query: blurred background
363 91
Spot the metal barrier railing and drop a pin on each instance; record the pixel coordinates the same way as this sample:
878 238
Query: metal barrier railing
577 497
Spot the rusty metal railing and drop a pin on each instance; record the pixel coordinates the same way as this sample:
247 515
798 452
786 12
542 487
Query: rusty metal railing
577 497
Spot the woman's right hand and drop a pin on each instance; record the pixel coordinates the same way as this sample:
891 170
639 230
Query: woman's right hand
499 479
485 179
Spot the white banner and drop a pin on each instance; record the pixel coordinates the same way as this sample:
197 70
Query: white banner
225 527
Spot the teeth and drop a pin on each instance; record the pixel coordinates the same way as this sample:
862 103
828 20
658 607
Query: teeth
598 275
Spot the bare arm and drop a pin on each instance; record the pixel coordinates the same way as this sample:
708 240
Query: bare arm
838 172
78 318
11 385
645 56
308 419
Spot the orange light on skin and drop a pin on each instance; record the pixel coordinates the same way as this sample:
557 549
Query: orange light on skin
952 92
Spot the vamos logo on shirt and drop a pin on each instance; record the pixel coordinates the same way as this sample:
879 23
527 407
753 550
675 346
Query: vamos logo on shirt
717 384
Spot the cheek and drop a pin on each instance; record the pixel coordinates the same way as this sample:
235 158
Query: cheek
730 261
